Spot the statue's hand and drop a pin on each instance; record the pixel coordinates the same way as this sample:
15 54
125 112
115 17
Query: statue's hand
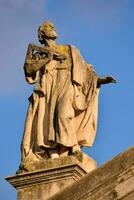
109 79
105 80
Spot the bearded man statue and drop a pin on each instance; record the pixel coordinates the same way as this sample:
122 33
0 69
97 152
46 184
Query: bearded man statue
63 108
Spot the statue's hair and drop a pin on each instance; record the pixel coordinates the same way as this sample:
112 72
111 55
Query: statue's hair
42 30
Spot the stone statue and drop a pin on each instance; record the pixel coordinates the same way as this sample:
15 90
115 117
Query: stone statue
62 113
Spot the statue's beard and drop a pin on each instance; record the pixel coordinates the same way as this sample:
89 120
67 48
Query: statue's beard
50 35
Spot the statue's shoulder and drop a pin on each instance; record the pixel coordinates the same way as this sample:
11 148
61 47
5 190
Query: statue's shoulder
74 49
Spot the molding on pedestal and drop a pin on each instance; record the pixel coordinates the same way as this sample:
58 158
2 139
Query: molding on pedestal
29 179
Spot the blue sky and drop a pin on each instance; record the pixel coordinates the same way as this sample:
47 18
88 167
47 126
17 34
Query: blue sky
103 30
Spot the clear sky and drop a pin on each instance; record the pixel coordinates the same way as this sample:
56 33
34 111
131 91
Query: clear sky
103 30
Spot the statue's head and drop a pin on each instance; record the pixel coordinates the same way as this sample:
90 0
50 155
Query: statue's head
46 31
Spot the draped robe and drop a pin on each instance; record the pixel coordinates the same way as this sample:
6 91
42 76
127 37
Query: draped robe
63 107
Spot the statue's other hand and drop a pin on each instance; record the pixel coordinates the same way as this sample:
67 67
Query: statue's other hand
106 79
110 79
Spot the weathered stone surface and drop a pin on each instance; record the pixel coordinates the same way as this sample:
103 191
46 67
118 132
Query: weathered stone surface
56 174
111 181
34 163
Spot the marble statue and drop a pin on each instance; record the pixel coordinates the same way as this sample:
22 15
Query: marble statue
63 108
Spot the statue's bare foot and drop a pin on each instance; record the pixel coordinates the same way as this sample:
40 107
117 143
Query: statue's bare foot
54 155
76 149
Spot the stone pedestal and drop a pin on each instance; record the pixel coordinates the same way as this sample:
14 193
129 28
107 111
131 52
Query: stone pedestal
51 176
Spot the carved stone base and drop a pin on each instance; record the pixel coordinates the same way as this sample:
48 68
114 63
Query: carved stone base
56 176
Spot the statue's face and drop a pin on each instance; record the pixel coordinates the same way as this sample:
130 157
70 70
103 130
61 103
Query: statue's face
47 31
50 31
